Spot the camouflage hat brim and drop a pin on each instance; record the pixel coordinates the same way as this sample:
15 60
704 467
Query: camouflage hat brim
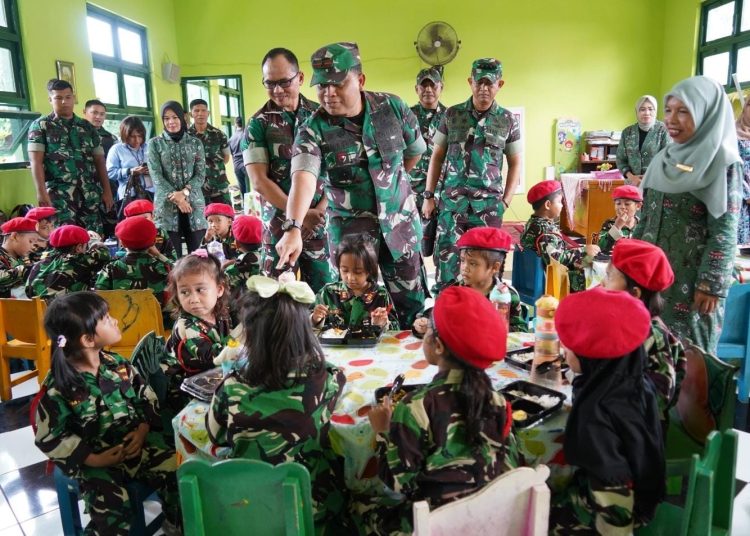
432 78
324 76
479 75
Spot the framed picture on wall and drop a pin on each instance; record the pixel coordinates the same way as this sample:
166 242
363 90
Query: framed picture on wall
66 71
519 112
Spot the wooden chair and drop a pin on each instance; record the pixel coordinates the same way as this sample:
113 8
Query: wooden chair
138 313
22 336
734 342
516 502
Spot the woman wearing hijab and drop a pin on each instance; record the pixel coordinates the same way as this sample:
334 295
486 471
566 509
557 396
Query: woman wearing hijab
641 141
177 164
743 141
613 435
691 206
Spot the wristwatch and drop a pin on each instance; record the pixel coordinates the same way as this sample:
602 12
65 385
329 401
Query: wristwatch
288 225
186 192
428 194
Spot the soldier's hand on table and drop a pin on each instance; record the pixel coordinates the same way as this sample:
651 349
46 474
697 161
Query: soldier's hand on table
289 248
380 416
704 303
420 325
43 199
133 441
109 457
428 207
319 313
379 317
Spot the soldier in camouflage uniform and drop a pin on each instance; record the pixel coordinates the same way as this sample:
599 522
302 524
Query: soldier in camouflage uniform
69 267
91 420
45 218
628 201
145 209
216 147
267 153
247 233
361 144
473 136
19 237
543 235
67 162
95 112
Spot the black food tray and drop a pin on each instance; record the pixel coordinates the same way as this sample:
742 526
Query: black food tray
203 385
382 392
368 336
517 358
535 412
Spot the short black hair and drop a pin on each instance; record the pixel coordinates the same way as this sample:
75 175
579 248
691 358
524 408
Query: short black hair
58 85
239 122
539 203
490 256
196 102
362 248
94 102
280 51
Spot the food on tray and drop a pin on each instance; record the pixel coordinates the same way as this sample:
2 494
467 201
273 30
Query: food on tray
525 357
398 395
520 415
334 333
546 401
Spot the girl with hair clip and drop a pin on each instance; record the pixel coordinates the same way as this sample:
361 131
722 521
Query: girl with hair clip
613 435
451 437
197 290
96 416
277 407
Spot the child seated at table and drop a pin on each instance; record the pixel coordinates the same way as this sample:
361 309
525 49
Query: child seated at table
197 293
451 437
219 217
247 231
628 201
613 435
482 252
45 224
357 300
277 407
19 237
642 269
542 234
143 208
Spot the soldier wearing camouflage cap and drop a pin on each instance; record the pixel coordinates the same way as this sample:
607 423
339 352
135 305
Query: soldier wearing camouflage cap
361 144
475 135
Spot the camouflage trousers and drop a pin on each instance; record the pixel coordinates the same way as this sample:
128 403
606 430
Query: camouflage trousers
450 227
106 496
217 195
77 205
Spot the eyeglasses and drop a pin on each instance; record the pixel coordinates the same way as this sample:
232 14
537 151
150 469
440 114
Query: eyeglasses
284 83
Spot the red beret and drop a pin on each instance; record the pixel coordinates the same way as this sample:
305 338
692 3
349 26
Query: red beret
601 323
247 229
541 190
19 225
136 233
139 206
41 213
68 235
485 238
470 326
644 263
627 191
219 209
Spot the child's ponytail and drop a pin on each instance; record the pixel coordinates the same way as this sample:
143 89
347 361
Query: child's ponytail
476 389
67 378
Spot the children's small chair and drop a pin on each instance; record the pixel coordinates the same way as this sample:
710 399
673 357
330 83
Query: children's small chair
528 274
138 312
734 341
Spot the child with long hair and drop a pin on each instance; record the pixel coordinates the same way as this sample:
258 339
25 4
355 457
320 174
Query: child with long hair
197 291
357 299
449 438
96 416
278 406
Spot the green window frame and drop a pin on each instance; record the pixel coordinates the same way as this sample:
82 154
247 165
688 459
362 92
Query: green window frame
724 46
230 91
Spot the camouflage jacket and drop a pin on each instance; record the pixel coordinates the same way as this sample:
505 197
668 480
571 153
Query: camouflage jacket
428 123
136 270
108 139
362 168
544 236
288 425
227 245
215 146
174 166
113 404
630 157
13 273
246 265
426 454
609 234
193 344
475 144
347 310
39 251
269 138
69 147
61 273
667 364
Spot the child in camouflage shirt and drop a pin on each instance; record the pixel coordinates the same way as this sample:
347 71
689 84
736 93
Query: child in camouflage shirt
642 269
145 209
142 267
247 232
197 294
71 266
542 234
357 300
219 217
45 224
277 407
97 419
628 201
19 237
451 437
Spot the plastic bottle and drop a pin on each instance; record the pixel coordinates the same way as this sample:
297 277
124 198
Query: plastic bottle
500 298
215 248
545 368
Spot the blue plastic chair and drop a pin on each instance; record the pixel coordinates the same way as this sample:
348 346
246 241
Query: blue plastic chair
734 342
528 275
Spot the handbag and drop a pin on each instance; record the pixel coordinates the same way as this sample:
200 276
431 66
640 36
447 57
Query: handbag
134 190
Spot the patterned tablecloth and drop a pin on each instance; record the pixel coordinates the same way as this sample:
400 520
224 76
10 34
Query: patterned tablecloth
367 369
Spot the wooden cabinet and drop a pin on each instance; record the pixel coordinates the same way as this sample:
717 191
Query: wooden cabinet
591 208
597 153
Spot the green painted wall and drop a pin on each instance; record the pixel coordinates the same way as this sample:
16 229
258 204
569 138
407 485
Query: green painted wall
681 24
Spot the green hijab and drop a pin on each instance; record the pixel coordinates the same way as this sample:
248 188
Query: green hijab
704 158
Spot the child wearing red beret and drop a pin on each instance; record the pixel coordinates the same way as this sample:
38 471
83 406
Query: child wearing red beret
642 269
144 208
219 217
247 231
628 201
449 438
72 264
45 224
543 235
19 237
613 435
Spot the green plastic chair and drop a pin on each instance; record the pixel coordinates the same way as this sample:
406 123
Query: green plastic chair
710 492
239 497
